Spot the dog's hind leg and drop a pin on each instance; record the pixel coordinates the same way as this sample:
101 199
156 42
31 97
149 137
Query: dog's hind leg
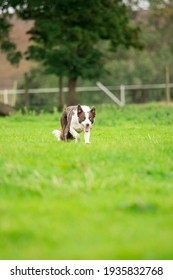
64 128
60 135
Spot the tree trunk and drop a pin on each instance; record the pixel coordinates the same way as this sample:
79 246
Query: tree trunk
72 100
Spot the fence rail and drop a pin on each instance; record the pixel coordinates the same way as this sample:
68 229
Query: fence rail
90 88
122 89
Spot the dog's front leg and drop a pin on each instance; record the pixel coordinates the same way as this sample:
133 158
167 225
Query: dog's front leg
87 137
75 134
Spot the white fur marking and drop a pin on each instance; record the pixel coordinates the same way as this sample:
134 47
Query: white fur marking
57 134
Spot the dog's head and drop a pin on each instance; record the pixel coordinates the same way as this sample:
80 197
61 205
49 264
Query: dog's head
86 119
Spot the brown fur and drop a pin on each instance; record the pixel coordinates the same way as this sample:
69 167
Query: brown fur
80 113
92 114
65 123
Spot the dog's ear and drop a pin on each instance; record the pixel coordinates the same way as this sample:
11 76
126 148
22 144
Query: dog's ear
93 111
79 110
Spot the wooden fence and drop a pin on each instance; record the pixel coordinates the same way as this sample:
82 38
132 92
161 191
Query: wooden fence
8 96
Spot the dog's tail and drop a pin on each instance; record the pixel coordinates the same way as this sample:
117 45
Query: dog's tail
57 134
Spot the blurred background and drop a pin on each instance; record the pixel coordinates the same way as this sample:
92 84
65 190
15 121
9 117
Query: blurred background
132 39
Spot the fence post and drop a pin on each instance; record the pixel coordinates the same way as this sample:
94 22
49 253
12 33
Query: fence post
60 104
14 93
109 93
168 95
5 94
122 94
26 91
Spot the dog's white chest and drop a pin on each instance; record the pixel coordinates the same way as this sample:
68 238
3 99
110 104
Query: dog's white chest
75 123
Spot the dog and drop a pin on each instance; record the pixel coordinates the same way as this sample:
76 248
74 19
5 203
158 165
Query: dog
74 120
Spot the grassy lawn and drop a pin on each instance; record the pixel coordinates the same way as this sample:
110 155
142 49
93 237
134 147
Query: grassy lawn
112 199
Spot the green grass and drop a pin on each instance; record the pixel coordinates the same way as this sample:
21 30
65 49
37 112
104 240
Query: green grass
112 199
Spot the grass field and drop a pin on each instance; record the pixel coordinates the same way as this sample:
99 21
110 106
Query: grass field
112 199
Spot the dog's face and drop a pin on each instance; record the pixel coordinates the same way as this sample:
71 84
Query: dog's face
86 119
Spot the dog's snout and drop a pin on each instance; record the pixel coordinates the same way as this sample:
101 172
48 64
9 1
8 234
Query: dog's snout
87 124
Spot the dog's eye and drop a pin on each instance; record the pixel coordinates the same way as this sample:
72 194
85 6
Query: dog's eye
82 120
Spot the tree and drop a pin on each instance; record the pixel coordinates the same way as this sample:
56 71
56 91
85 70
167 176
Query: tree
6 45
66 34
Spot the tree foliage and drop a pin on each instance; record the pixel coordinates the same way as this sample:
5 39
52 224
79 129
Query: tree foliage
66 34
6 45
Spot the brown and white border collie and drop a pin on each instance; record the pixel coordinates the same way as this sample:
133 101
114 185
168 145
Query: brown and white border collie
74 120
